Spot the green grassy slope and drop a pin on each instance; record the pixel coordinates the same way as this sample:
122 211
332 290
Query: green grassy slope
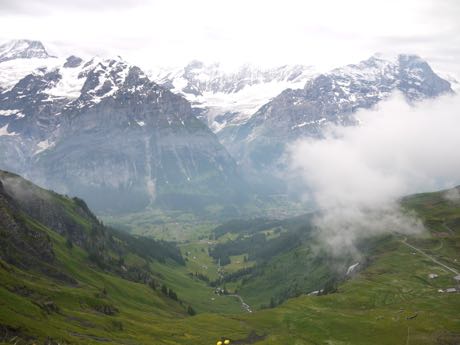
77 310
283 260
83 277
390 301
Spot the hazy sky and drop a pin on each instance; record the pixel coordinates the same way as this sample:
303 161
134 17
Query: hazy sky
171 32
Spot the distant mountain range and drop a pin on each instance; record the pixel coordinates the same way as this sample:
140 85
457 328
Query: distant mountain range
255 112
224 98
125 139
328 98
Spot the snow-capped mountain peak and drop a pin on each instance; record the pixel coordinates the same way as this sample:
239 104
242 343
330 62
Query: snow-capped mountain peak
377 77
224 97
22 49
102 127
331 97
100 78
198 77
36 99
70 78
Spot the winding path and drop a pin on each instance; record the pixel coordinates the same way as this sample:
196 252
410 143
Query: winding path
243 304
453 270
452 232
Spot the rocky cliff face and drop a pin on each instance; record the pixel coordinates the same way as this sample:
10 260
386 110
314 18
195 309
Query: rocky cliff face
102 130
140 147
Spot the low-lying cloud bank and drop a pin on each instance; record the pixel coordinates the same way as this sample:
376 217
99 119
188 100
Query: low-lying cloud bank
356 174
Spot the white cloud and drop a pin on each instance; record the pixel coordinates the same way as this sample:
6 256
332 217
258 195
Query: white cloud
327 33
356 174
453 195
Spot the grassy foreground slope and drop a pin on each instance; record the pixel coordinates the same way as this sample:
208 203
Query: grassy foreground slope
65 278
391 301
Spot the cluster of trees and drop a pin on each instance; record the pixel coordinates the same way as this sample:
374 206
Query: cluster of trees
223 251
149 248
252 226
173 295
261 249
252 240
257 247
245 227
331 286
200 276
191 311
234 276
169 292
98 239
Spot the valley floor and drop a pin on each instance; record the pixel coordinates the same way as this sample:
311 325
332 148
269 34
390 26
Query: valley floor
391 302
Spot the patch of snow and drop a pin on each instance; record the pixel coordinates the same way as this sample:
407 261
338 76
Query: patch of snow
11 72
70 84
15 49
43 145
8 112
306 123
244 103
370 70
352 268
105 70
315 293
239 92
4 132
113 71
452 78
180 83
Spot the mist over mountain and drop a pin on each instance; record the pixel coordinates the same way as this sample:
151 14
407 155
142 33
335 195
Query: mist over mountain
330 98
102 129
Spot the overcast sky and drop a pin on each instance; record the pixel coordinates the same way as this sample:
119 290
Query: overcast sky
171 32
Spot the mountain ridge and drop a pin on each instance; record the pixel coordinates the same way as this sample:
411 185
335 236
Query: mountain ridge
223 97
140 140
22 49
329 98
156 145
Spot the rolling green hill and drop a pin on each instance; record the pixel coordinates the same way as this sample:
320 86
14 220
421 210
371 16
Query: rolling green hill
65 278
